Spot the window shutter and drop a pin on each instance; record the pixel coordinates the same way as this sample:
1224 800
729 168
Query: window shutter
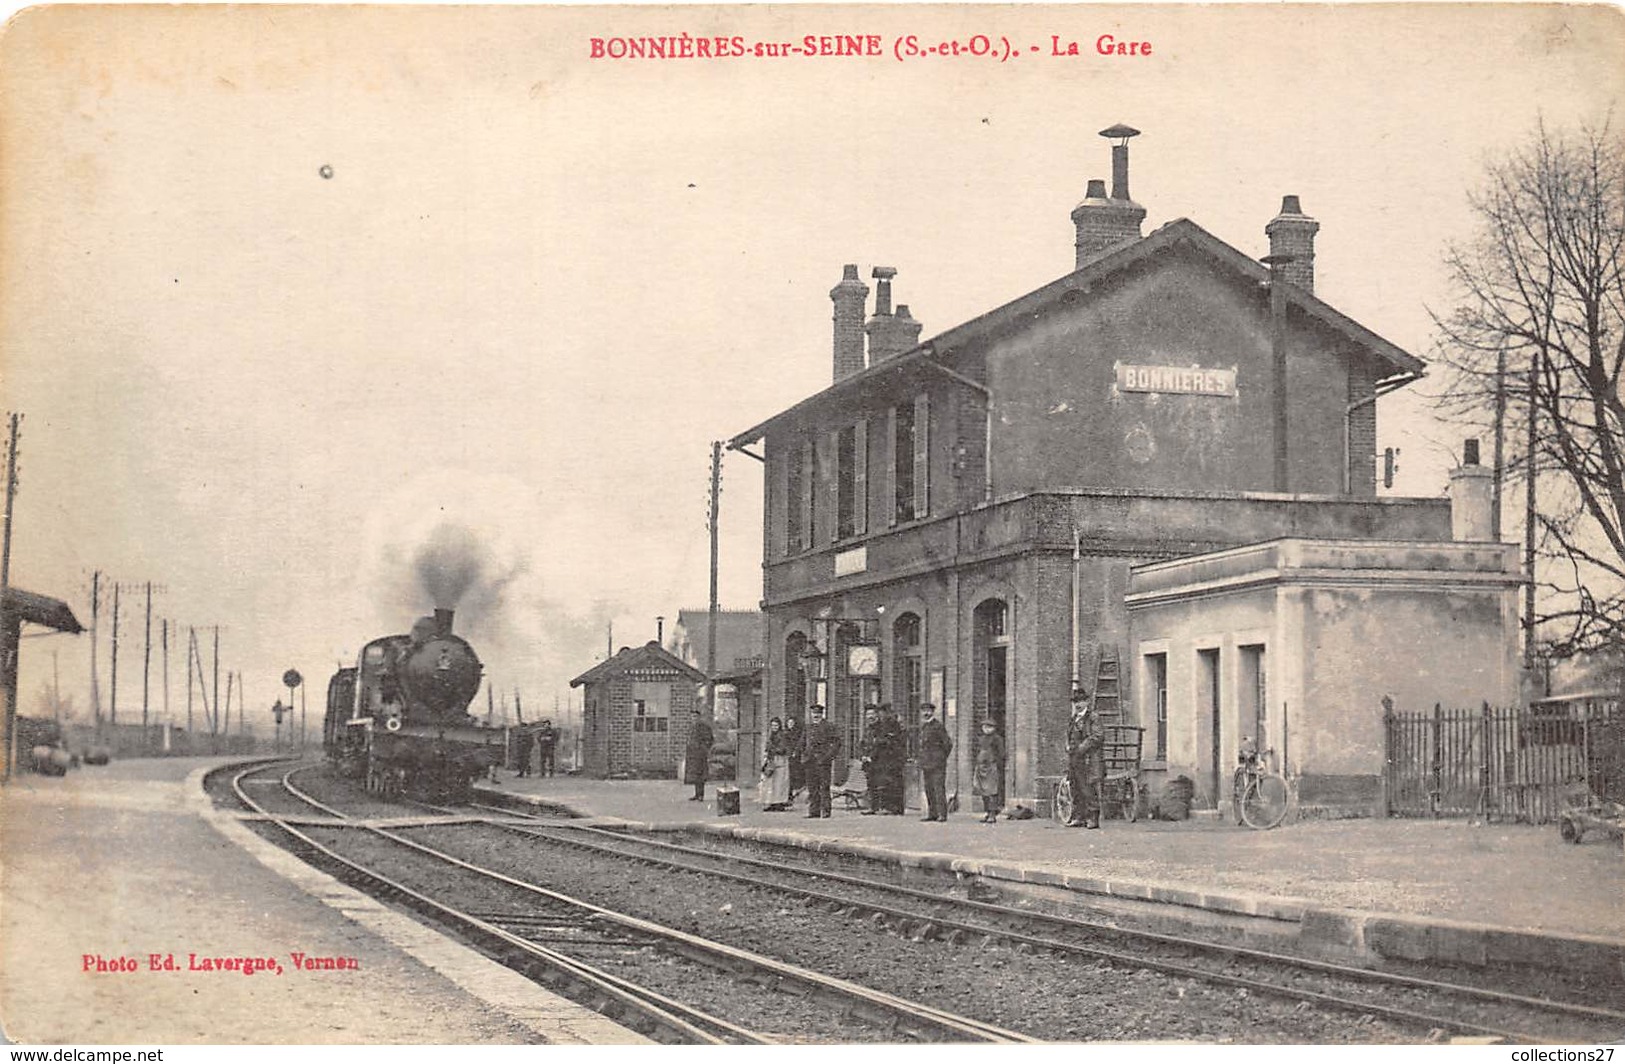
892 443
781 489
922 456
807 494
829 448
860 476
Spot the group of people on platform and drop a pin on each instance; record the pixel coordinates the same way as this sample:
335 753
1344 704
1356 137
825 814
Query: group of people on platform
797 759
540 739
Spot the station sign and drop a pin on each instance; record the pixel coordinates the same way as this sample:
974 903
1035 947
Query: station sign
1176 380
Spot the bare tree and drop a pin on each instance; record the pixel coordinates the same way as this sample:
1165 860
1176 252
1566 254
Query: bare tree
1538 331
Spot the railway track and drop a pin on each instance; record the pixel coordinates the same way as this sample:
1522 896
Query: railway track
517 913
1408 1000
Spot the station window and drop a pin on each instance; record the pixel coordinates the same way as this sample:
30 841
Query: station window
910 459
647 717
1156 669
851 484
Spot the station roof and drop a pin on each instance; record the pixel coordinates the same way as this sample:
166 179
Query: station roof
1077 285
42 610
650 655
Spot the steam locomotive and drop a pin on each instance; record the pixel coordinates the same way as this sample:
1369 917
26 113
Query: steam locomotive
398 720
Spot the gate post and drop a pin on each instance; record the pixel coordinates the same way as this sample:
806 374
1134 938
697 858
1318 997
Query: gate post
1435 783
1386 809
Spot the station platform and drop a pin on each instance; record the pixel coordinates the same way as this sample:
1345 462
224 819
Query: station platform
1419 890
107 866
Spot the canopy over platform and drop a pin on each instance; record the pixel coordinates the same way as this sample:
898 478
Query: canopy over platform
41 610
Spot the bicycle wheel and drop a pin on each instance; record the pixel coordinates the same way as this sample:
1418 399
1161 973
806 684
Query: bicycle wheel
1065 806
1264 805
1131 801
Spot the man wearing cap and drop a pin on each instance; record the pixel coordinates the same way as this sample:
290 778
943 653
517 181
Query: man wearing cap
1085 761
935 746
823 747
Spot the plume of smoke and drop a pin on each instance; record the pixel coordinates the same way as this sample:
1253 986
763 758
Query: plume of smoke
484 546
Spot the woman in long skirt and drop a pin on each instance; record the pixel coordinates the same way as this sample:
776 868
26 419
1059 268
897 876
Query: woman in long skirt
774 791
988 780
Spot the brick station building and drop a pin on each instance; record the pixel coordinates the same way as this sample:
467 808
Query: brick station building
959 519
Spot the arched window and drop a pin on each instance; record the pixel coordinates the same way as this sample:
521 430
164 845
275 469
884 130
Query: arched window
908 676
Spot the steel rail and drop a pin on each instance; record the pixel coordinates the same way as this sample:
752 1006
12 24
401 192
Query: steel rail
732 956
1407 1016
1483 995
652 1007
876 1005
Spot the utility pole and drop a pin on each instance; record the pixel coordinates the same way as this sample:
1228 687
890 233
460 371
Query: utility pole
217 680
164 635
711 618
146 668
8 642
113 696
1529 521
191 646
1496 485
95 688
229 677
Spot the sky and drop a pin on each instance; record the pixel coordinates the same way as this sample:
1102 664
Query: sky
287 294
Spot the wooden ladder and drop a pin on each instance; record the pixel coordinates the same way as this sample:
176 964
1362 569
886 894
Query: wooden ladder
1108 685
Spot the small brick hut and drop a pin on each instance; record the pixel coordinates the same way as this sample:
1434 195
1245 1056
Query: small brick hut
636 712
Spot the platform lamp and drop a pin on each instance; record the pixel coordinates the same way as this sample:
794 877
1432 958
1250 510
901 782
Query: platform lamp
291 679
814 662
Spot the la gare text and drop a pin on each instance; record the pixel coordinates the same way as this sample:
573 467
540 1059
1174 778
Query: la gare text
97 964
817 46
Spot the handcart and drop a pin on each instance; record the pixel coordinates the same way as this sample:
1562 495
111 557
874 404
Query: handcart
1122 754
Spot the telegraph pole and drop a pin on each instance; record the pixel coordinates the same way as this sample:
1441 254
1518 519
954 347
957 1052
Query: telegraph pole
146 668
5 593
191 647
164 634
1529 521
95 689
113 697
711 618
217 681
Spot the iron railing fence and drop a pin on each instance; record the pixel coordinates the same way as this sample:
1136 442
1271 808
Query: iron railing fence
1512 763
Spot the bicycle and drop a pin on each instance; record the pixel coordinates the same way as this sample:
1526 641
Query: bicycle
1259 794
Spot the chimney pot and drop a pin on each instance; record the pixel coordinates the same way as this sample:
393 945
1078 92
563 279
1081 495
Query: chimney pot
889 334
1290 205
1100 222
1469 452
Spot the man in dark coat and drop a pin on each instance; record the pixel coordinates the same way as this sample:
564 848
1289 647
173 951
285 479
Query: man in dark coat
547 741
795 740
935 746
697 756
1085 761
523 740
823 747
892 754
870 754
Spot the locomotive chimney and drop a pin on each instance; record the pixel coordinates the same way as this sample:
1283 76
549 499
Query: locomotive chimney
442 621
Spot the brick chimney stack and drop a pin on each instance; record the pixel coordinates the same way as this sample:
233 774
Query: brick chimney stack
1292 233
889 334
849 297
1102 222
